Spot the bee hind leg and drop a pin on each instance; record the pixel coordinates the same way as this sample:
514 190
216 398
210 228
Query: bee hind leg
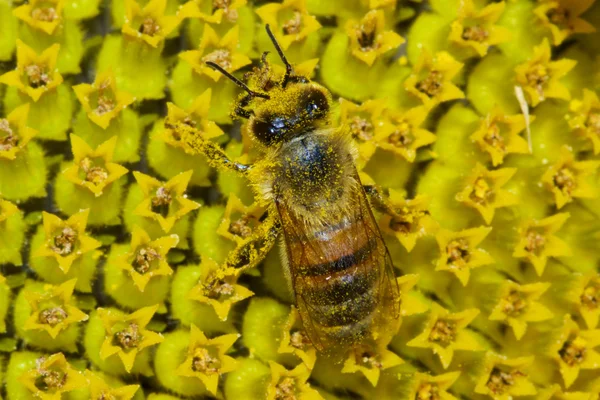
379 199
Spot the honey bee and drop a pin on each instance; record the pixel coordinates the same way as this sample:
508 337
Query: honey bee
334 256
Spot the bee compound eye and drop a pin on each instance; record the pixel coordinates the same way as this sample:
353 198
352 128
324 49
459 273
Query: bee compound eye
315 103
269 129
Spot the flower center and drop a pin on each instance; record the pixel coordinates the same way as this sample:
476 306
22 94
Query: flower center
294 25
458 253
402 136
44 14
52 316
241 227
8 139
50 379
299 340
144 259
361 129
37 75
443 332
432 84
149 27
573 351
591 295
222 57
593 122
514 304
64 242
368 359
93 173
106 102
204 362
106 396
128 338
558 16
215 288
475 33
565 180
286 389
232 15
366 33
162 201
494 138
501 381
428 391
535 242
537 78
481 193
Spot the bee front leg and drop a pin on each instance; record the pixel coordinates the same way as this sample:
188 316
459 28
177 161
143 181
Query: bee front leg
380 199
216 157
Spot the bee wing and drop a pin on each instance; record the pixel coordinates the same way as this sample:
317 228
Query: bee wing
304 251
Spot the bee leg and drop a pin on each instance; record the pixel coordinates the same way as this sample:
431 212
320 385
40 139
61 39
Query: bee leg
216 157
379 199
254 249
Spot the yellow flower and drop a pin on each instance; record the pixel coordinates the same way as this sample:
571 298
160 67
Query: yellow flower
53 310
218 289
537 241
431 79
126 334
540 77
401 133
101 100
505 379
568 179
146 258
289 21
52 377
222 51
446 332
363 122
484 192
588 299
149 23
219 9
368 38
239 221
584 118
164 202
476 30
45 15
93 169
14 132
194 121
370 361
290 383
426 386
562 18
295 340
519 305
35 74
575 349
411 220
99 389
459 252
206 359
66 240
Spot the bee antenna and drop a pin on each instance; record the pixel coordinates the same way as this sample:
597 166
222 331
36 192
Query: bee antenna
235 80
288 66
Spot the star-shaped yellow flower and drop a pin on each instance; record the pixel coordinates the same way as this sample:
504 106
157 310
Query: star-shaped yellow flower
66 240
426 387
289 21
475 29
588 299
99 389
295 340
52 377
401 133
363 122
431 79
370 361
369 39
568 178
164 202
218 289
14 132
575 349
446 332
459 253
101 100
7 209
93 169
45 15
538 242
206 359
584 118
146 258
518 305
178 123
504 379
290 384
126 334
540 77
483 191
212 11
410 221
150 24
498 135
53 309
239 220
35 74
222 51
562 18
